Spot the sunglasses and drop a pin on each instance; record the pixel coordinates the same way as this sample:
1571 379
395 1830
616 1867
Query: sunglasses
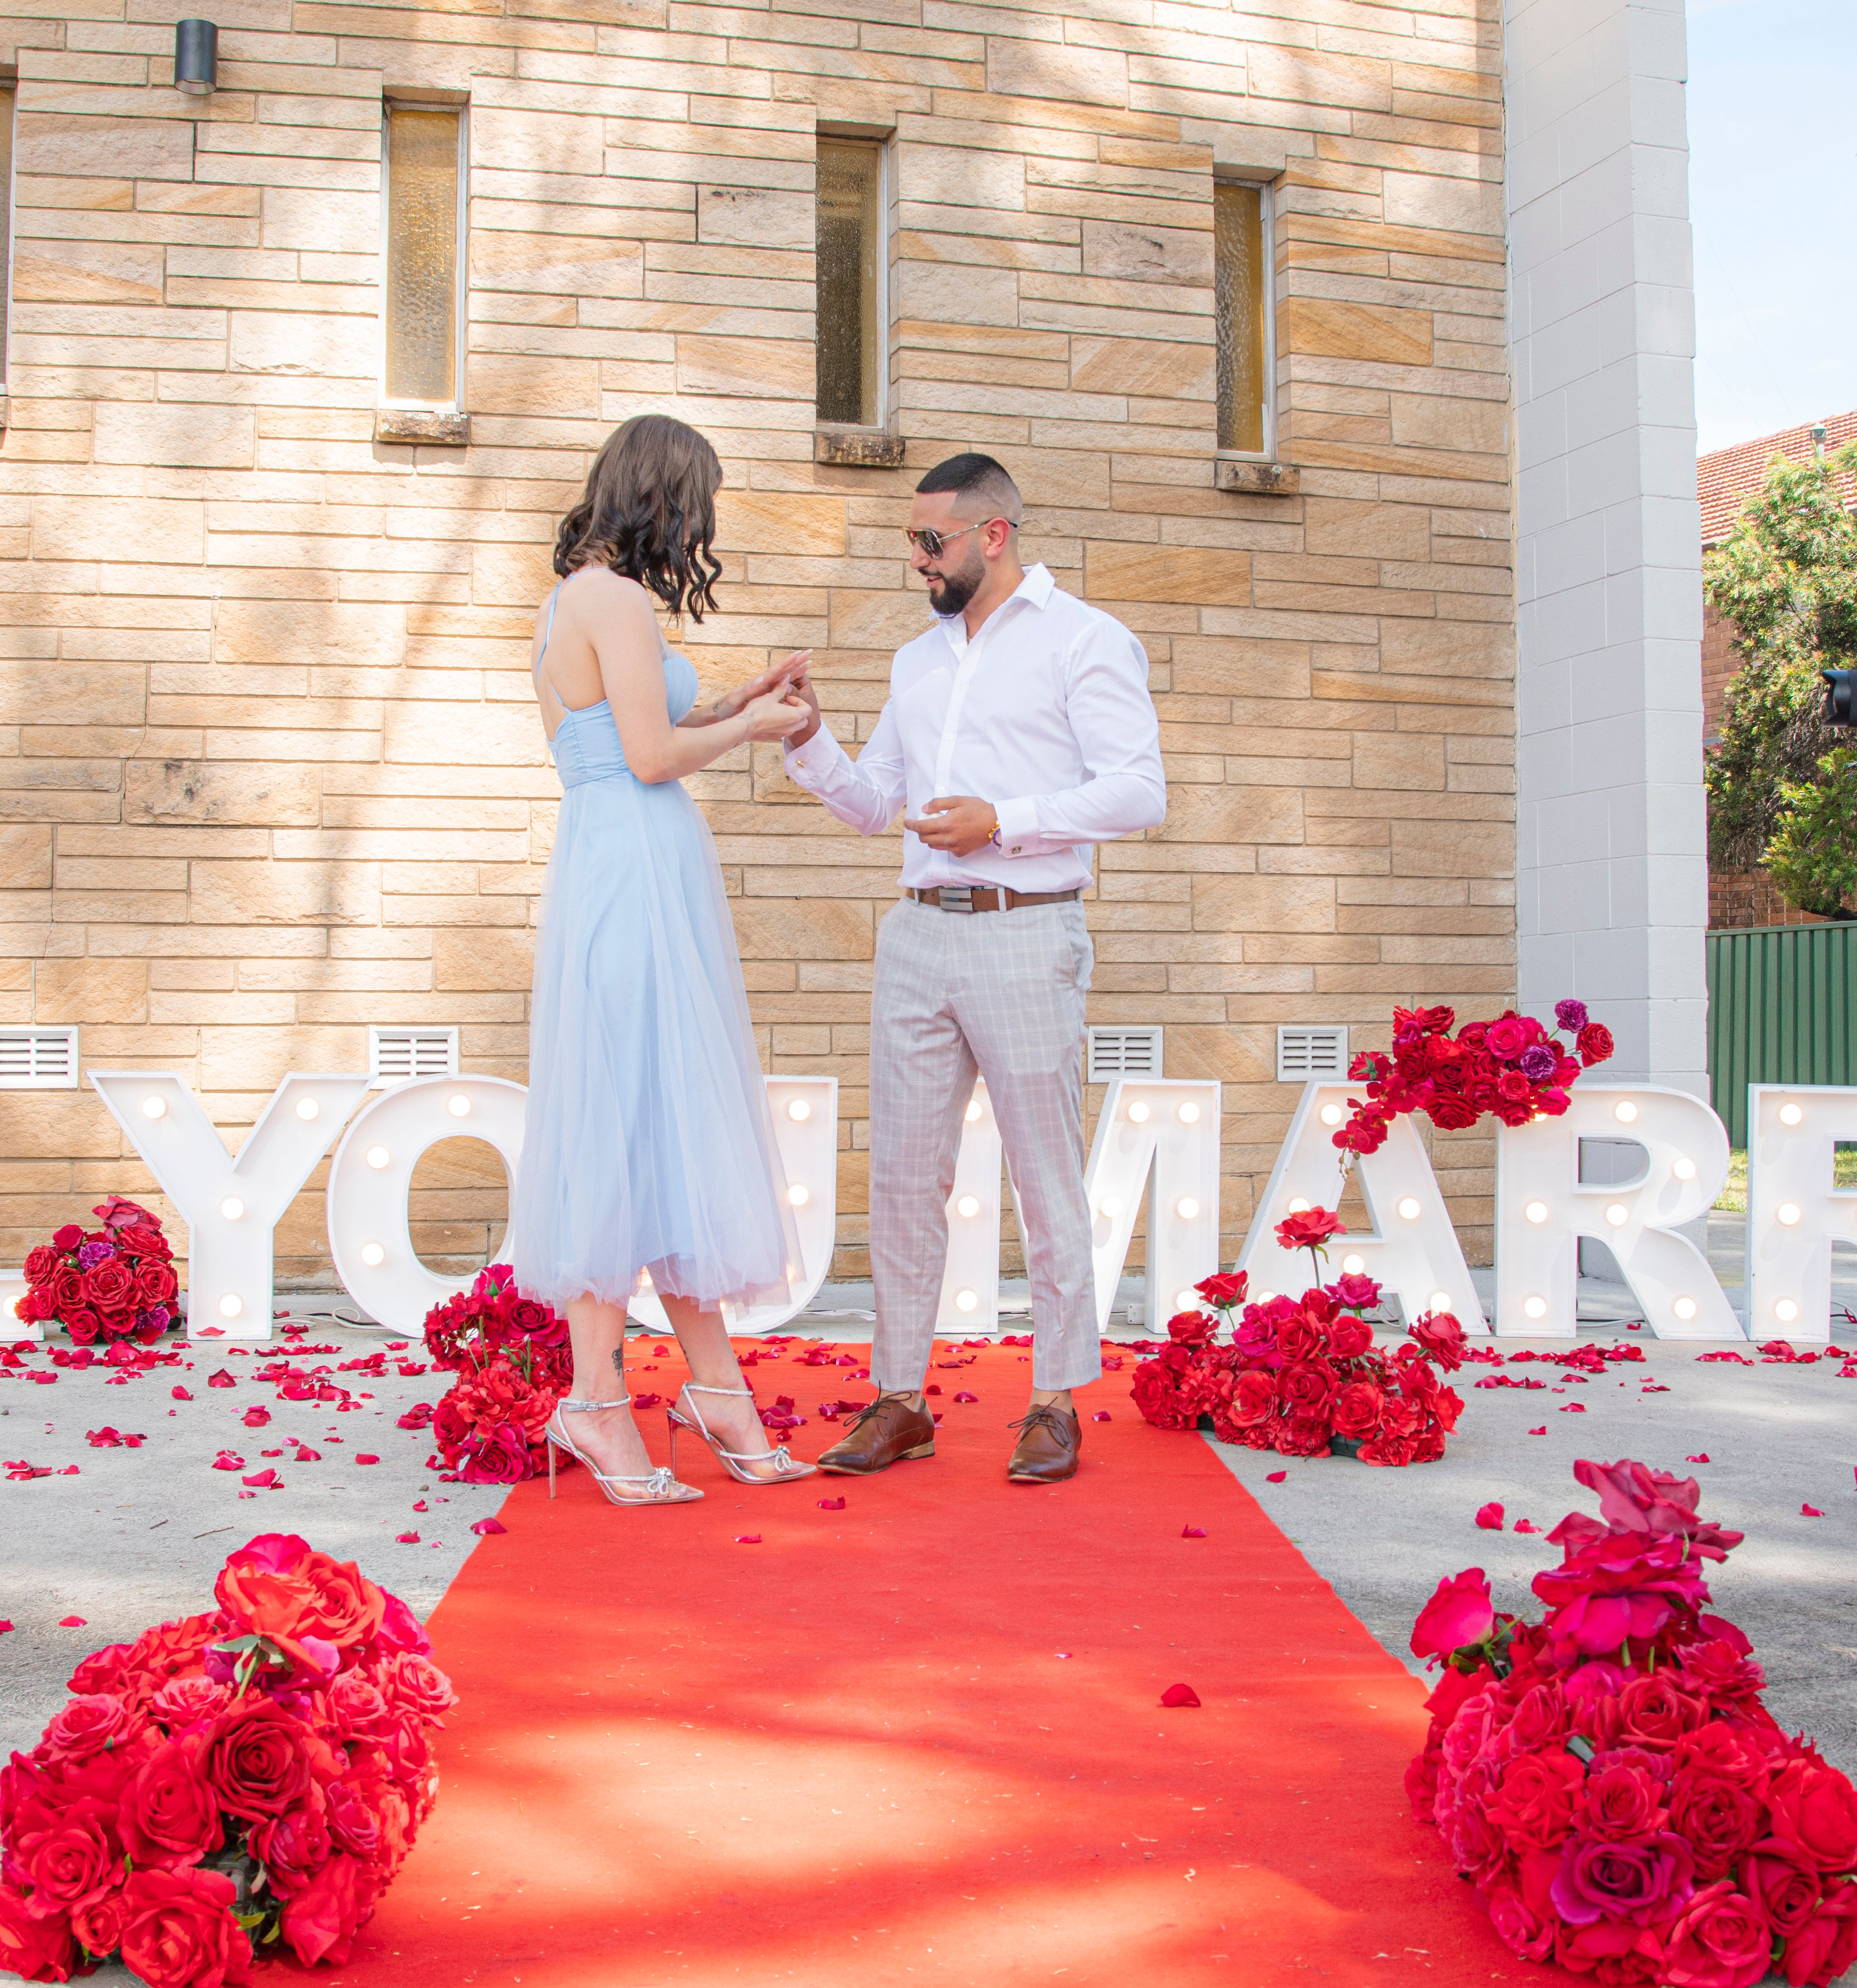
934 543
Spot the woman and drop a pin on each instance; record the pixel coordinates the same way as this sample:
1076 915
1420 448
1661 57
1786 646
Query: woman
649 1144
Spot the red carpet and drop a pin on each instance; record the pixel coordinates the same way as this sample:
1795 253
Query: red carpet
853 1753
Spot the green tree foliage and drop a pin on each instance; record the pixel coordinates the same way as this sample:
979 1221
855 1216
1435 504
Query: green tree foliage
1782 784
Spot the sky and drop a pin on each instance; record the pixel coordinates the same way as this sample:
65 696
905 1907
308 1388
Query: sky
1773 197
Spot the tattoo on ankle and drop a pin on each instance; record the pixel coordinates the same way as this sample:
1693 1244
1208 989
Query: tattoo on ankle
618 1361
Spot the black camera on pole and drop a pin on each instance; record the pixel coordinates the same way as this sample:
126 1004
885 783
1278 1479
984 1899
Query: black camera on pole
1840 696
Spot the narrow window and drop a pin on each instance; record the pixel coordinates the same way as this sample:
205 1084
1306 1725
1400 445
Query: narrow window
850 280
1240 298
7 92
421 223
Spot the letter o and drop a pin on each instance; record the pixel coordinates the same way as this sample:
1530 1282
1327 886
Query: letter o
368 1204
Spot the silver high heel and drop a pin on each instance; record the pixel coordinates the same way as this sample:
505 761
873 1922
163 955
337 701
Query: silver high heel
786 1470
659 1488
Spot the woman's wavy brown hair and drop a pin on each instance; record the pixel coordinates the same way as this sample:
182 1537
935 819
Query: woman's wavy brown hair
650 513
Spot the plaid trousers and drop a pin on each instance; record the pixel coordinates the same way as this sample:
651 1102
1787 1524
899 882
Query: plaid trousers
999 994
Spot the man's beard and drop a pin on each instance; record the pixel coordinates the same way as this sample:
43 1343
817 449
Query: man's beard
956 590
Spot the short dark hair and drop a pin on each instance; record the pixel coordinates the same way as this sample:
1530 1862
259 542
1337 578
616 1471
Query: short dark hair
975 476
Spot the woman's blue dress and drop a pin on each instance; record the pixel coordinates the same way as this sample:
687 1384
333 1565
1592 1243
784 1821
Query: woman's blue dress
648 1144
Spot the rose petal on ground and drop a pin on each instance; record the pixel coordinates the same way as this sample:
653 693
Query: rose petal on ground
221 1379
69 1470
964 1396
228 1460
1810 1512
1526 1525
256 1417
748 1539
1489 1517
1542 1430
5 1629
262 1480
73 1622
484 1527
1701 1456
405 1539
362 1456
1179 1694
831 1504
1101 1415
420 1505
1573 1408
180 1395
305 1455
1275 1476
1193 1532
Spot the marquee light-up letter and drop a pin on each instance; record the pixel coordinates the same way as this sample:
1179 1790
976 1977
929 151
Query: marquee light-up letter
1543 1208
1168 1129
805 1132
970 1280
370 1236
1413 1252
1794 1213
230 1206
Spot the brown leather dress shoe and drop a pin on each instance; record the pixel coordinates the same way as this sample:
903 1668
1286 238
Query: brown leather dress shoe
1050 1442
885 1432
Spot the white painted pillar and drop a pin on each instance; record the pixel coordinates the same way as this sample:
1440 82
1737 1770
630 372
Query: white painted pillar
1612 861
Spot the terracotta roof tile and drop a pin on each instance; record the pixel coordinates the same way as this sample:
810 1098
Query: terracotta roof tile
1725 479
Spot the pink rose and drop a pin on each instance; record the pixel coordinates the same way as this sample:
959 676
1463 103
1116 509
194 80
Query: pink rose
185 1703
293 1847
417 1685
1460 1613
1721 1940
1638 1881
1506 1038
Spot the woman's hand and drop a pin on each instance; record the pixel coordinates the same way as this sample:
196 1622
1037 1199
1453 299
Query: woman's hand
774 715
793 670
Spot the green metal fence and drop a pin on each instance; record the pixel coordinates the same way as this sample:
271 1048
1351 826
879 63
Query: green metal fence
1782 1009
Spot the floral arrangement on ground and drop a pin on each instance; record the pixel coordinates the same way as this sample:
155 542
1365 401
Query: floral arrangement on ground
1609 1778
511 1355
1302 1376
106 1284
1514 1066
227 1785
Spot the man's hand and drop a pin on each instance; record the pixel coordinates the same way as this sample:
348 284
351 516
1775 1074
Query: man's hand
799 685
958 824
790 675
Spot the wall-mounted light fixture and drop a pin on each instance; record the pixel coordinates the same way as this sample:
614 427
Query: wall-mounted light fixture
196 57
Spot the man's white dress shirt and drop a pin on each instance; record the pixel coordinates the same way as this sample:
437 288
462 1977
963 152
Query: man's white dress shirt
1045 713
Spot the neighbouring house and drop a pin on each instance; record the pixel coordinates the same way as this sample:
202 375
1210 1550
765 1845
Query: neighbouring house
1725 479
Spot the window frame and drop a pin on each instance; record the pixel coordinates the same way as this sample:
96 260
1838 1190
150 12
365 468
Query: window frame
882 142
407 100
1265 186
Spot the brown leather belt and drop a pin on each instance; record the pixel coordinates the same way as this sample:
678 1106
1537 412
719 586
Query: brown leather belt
984 897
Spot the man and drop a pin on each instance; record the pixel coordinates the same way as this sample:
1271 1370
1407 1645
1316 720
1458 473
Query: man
1019 730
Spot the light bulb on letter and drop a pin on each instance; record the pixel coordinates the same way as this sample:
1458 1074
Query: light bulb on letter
153 1107
232 1207
1786 1311
974 1112
799 1110
1186 1208
1536 1211
1185 1301
1331 1114
1189 1113
1684 1168
1354 1265
378 1156
1787 1213
1409 1209
307 1108
967 1301
1535 1308
968 1204
1684 1307
231 1305
1618 1215
797 1196
1440 1301
1109 1209
458 1105
1138 1113
1298 1205
1791 1114
1624 1111
373 1254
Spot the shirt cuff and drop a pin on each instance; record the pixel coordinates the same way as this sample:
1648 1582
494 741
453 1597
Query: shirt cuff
809 764
1018 823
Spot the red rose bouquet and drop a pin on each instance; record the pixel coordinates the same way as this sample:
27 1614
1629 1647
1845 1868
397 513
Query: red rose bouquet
1302 1376
225 1785
1609 1778
1512 1066
107 1283
511 1355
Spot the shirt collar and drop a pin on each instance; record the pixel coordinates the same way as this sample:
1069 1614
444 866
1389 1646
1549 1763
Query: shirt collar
1035 589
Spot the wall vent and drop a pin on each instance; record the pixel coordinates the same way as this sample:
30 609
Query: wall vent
1305 1051
393 1055
38 1059
1115 1053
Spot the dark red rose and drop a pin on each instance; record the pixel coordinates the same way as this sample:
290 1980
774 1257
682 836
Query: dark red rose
1357 1410
1439 1334
41 1263
1253 1394
180 1932
40 1950
1725 1752
1300 1338
98 1926
1721 1817
1224 1290
1306 1389
1653 1713
293 1847
143 1238
84 1726
110 1285
1300 1435
1594 1043
1824 1949
1622 1805
1348 1338
1814 1807
1721 1940
1417 1382
84 1325
500 1455
1191 1328
1540 1719
1155 1395
1788 1896
170 1816
70 1856
451 1428
1533 1806
1453 1115
1396 1451
67 1237
155 1283
68 1287
256 1763
319 1921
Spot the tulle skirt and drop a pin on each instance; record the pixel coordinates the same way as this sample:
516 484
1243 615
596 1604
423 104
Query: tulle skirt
648 1144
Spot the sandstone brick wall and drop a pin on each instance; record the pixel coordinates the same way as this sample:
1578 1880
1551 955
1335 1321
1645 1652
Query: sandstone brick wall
271 769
